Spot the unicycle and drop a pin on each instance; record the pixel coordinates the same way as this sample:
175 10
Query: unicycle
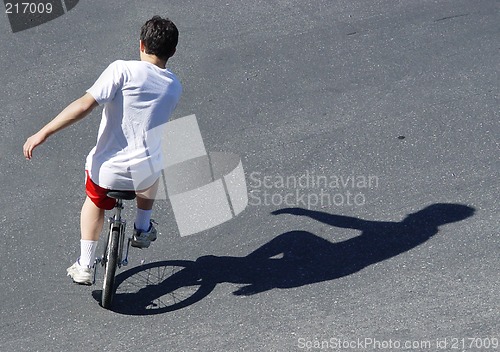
115 252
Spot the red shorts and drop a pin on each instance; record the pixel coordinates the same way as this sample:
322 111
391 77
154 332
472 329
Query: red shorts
98 195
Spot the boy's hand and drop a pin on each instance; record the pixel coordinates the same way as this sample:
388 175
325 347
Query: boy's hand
32 142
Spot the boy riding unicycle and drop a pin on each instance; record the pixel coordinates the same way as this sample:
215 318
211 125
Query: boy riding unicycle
137 97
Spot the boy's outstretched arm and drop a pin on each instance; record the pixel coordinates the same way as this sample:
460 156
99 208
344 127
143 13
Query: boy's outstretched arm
74 112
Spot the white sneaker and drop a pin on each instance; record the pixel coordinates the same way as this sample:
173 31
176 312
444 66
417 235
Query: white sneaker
80 274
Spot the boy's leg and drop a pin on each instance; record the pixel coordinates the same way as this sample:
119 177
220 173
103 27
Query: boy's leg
91 222
144 231
145 200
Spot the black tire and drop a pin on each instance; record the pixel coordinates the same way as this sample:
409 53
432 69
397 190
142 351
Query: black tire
111 262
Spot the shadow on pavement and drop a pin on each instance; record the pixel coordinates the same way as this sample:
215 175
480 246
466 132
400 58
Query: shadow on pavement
292 259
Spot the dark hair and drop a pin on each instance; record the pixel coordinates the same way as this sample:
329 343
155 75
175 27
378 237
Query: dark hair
160 37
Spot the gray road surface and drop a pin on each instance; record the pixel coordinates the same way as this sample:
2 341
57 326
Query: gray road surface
402 93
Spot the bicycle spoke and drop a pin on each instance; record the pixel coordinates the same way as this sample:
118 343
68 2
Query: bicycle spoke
161 287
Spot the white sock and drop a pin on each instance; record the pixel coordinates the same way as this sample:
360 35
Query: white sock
87 253
142 219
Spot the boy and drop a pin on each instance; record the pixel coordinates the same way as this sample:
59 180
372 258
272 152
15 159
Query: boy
137 97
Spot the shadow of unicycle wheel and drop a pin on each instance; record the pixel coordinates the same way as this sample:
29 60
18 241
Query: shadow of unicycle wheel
158 287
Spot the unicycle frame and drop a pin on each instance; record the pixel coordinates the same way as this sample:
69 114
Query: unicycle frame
115 254
117 223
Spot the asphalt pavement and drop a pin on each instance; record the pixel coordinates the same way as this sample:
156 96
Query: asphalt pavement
368 131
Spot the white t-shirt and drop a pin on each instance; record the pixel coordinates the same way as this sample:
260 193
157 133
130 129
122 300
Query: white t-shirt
139 98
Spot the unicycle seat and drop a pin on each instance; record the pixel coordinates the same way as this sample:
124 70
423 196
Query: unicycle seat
126 195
